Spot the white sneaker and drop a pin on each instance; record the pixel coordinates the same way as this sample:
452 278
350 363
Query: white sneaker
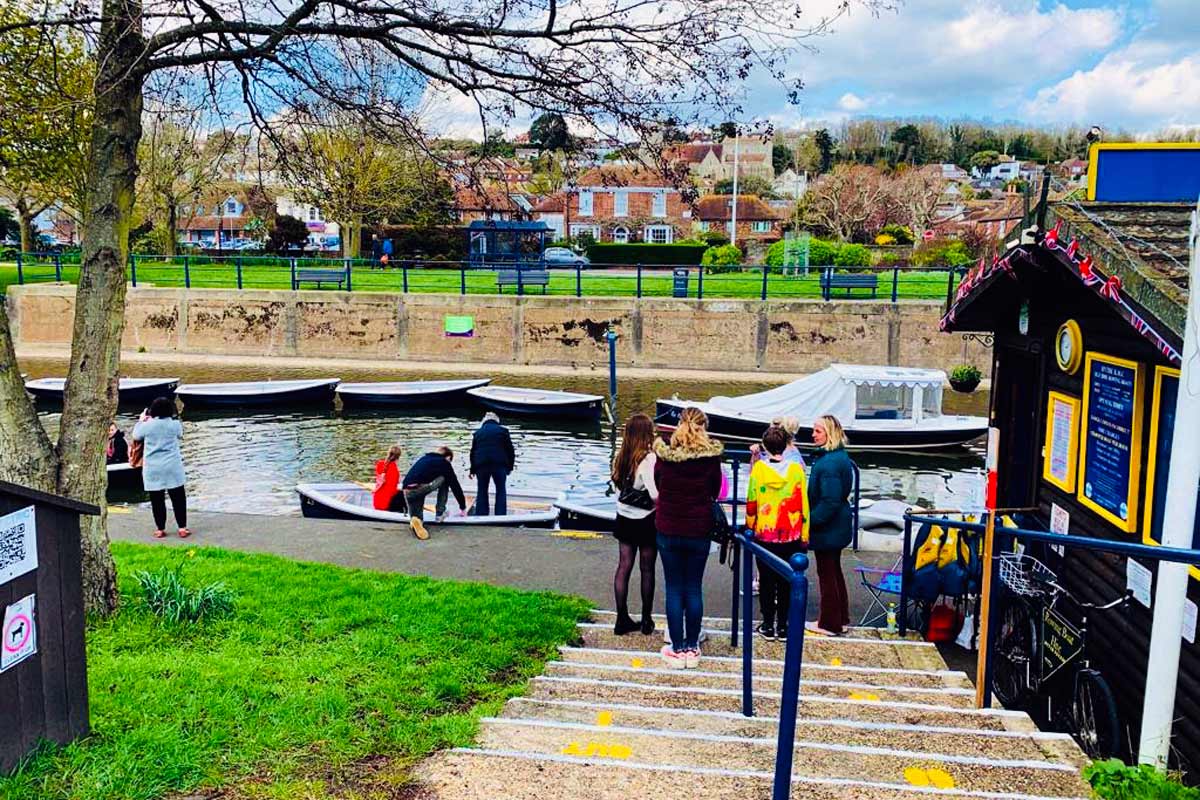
692 658
667 635
440 518
672 659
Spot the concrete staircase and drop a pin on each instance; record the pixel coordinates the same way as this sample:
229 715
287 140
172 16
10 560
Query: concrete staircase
879 719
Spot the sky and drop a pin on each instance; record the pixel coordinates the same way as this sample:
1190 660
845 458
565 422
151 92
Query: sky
1132 65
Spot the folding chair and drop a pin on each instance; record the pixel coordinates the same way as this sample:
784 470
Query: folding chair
878 583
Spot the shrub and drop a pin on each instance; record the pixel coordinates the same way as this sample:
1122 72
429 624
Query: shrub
822 253
1115 780
902 234
965 373
715 238
643 253
941 253
726 258
165 595
852 255
884 240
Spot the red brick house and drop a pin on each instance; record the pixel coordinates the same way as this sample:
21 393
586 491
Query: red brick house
618 204
756 221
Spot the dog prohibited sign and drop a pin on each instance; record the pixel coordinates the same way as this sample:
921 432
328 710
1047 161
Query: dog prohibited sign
18 544
19 640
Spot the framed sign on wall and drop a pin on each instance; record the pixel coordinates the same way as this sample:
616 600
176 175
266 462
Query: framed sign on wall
1060 453
1158 459
1110 452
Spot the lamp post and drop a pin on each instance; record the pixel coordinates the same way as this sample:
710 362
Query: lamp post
736 150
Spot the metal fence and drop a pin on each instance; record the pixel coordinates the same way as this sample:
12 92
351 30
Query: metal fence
879 283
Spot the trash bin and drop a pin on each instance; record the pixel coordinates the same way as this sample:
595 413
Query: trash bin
679 287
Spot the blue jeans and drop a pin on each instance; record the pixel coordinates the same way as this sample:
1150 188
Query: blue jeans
482 479
683 561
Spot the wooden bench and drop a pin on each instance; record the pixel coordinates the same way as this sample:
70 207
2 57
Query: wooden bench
319 276
525 278
831 280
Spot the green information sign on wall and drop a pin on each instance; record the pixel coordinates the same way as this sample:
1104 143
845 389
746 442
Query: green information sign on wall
460 325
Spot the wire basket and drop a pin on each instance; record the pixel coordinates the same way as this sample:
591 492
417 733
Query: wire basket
1025 575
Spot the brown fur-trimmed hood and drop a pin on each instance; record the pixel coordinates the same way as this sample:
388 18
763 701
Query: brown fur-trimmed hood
679 454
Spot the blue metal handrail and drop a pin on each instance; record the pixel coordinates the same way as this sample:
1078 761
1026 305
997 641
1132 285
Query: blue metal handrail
1132 549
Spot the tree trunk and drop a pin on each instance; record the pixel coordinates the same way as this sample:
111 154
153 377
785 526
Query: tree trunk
26 456
25 216
91 396
172 220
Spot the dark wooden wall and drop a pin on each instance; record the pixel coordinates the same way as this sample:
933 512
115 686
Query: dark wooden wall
1118 643
45 696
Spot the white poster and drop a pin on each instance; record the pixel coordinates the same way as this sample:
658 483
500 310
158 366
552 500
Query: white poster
1138 580
1062 422
18 639
1060 522
18 544
1189 622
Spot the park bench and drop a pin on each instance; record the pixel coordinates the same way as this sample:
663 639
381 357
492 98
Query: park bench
318 276
831 280
526 278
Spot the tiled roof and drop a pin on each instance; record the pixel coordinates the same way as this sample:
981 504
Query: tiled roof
209 222
551 205
490 199
693 153
622 176
717 207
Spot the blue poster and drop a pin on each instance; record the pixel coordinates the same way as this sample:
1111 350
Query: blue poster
1110 426
1167 397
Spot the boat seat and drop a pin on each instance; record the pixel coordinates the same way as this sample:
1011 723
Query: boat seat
522 278
879 413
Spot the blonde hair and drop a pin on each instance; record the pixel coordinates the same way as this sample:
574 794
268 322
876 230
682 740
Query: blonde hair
790 424
835 434
692 431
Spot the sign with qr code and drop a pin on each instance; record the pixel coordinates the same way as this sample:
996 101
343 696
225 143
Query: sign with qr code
18 639
18 544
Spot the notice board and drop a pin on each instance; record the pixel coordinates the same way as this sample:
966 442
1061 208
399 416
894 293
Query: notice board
1110 457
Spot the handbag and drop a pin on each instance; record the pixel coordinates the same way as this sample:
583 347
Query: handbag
636 498
720 532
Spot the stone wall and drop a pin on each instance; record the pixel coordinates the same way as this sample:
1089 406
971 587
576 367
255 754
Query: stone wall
742 335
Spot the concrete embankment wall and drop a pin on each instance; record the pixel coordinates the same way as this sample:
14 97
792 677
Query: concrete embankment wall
742 335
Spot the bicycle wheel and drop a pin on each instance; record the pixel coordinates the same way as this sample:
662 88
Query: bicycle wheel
1014 645
1094 715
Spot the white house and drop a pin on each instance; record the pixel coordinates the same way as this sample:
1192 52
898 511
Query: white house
320 231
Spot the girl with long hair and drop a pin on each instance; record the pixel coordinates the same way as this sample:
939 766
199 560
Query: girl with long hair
387 496
633 476
688 476
829 486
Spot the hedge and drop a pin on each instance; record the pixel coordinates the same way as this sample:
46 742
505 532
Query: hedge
656 254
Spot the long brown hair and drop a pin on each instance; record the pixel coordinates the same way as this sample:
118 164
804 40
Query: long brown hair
636 442
692 431
393 454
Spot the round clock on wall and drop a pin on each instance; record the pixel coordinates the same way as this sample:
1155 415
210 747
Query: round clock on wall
1068 347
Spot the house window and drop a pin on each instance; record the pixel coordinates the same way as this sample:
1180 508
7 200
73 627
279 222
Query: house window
660 205
702 226
659 234
231 207
761 226
199 209
585 203
592 230
620 204
314 213
621 235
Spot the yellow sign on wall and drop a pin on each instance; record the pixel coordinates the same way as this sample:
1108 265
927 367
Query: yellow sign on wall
1060 453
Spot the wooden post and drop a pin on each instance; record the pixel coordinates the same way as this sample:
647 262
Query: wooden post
985 609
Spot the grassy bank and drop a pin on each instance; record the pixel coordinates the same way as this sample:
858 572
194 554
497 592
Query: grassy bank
911 284
322 675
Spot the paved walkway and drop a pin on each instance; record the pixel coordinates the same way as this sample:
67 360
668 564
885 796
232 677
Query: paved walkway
526 559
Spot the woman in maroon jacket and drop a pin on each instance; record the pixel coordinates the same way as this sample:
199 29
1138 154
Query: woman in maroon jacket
688 476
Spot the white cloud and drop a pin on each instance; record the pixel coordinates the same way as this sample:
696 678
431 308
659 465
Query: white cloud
851 102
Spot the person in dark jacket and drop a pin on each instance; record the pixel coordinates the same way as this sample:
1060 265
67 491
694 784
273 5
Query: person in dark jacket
431 473
492 458
688 476
117 451
829 486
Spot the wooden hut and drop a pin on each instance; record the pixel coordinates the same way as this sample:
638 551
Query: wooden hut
1087 314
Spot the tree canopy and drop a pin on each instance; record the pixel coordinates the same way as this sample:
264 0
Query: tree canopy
549 132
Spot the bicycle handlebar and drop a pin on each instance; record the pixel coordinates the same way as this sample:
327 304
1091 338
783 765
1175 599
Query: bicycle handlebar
1123 600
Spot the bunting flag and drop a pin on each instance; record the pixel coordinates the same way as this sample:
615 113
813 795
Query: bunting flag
1073 248
1051 240
1112 288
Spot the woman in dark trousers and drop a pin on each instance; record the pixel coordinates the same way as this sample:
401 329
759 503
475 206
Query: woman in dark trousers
492 458
688 477
162 468
829 486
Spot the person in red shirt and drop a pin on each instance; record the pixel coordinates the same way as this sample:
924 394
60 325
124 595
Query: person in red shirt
387 482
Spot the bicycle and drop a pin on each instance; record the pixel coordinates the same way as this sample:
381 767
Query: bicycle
1033 660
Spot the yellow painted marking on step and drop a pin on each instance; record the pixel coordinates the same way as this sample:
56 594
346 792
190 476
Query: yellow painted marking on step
636 663
619 751
940 778
118 510
577 535
835 662
863 696
916 776
598 750
604 719
572 749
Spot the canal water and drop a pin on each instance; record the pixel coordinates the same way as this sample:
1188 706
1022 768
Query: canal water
250 462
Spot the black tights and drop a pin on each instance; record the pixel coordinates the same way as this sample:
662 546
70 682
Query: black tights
649 553
158 504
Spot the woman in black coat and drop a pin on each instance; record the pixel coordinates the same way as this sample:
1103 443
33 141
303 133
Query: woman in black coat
830 523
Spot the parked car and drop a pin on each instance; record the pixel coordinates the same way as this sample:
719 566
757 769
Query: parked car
564 256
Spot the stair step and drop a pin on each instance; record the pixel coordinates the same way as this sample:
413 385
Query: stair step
766 703
920 678
654 672
814 760
607 617
516 775
850 650
1021 741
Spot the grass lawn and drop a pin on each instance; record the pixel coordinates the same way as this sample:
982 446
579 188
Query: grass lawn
596 282
323 674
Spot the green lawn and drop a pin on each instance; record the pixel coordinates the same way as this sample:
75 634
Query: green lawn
320 670
596 282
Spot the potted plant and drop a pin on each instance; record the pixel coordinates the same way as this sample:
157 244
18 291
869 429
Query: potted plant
964 378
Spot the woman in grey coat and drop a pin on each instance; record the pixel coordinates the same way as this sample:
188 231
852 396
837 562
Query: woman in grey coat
162 470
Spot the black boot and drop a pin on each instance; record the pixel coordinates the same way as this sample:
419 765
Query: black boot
625 624
647 625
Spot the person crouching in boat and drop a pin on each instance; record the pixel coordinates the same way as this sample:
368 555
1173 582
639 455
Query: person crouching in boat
117 451
777 512
387 496
430 473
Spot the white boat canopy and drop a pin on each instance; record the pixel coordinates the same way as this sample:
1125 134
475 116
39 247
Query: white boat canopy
847 391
